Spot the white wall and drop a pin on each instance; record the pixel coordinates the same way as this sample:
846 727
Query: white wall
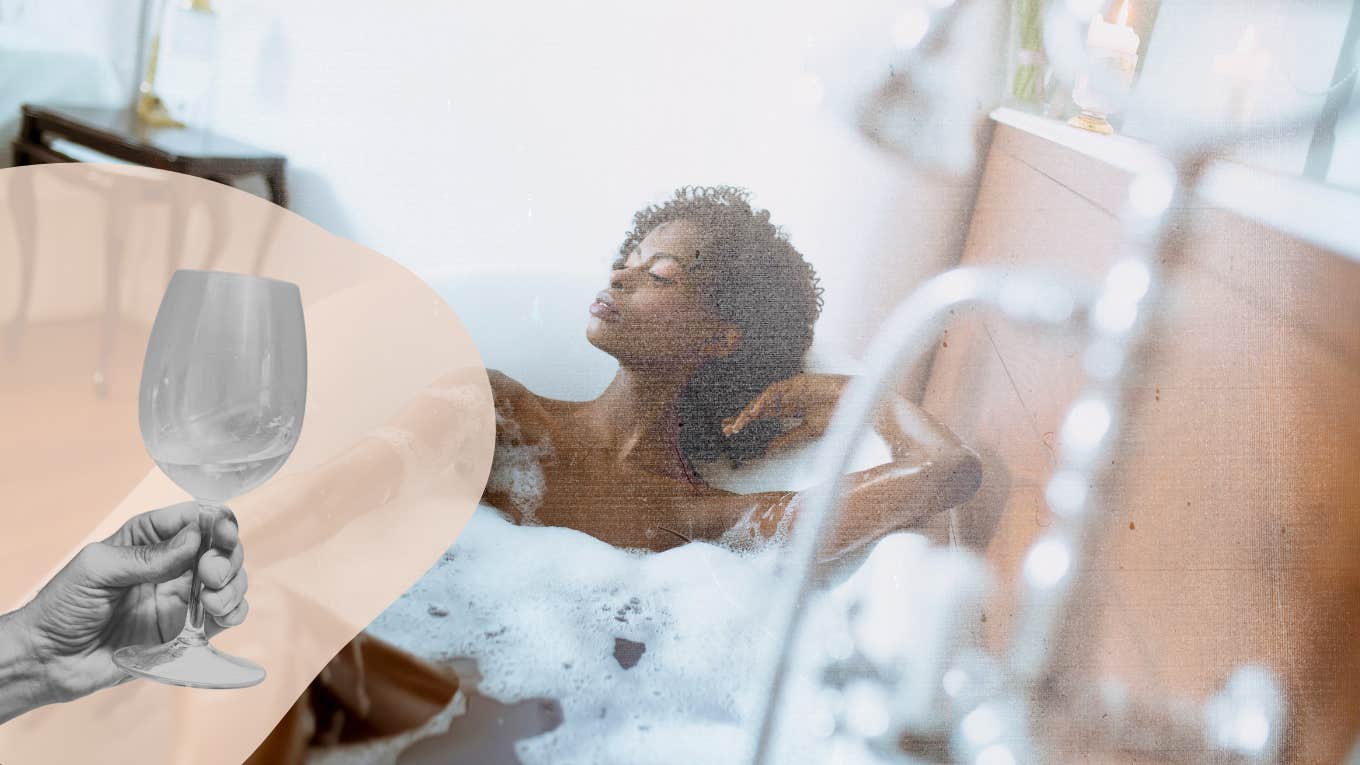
104 29
1299 40
79 52
515 135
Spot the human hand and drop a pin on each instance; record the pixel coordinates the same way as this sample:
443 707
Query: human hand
130 589
809 397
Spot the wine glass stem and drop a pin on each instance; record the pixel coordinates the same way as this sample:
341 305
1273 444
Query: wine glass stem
193 632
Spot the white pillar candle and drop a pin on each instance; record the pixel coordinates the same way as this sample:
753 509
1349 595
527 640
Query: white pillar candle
1113 53
1244 69
1116 38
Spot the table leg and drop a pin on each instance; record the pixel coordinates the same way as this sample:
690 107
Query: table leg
271 227
217 231
174 254
23 211
217 222
28 134
278 186
115 239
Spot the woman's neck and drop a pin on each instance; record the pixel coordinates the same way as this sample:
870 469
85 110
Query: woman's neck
636 418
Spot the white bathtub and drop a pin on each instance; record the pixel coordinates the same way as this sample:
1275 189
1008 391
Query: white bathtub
532 327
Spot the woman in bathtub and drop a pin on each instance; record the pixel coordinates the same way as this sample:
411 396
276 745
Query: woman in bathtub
709 311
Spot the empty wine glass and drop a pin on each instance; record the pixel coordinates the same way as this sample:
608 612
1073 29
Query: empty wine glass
221 404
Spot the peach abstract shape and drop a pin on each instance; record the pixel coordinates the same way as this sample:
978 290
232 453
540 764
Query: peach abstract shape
93 247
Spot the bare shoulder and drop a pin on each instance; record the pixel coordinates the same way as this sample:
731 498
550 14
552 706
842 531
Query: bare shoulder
503 386
521 415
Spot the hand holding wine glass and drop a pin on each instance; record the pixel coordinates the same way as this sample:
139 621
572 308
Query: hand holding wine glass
127 589
221 404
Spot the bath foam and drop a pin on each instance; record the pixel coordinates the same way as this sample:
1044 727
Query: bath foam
517 473
749 533
516 469
542 611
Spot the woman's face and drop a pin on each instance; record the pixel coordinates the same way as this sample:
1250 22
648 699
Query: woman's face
653 311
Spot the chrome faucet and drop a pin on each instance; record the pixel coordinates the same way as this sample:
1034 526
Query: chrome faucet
960 702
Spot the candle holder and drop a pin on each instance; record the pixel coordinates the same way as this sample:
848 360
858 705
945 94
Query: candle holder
1112 57
1101 92
152 109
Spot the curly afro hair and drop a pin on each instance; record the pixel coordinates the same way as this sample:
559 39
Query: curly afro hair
759 283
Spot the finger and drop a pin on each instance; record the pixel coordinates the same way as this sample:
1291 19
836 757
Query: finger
163 523
776 402
105 565
167 521
226 531
154 526
216 569
237 615
752 411
733 425
224 601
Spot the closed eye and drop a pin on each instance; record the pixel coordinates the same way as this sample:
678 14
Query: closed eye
660 279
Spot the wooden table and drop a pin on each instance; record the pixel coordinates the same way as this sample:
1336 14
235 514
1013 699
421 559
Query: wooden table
119 134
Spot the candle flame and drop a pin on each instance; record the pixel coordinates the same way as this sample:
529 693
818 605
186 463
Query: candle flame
1123 14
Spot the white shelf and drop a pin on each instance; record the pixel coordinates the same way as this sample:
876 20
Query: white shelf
1321 215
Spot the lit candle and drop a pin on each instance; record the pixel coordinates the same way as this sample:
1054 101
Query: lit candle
1113 53
1244 68
1117 38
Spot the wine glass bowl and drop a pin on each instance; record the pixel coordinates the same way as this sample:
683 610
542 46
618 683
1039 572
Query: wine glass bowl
221 404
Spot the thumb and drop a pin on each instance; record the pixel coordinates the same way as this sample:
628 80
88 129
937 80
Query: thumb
126 565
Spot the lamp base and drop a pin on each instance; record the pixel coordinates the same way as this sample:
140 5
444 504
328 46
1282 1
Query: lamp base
1096 123
152 112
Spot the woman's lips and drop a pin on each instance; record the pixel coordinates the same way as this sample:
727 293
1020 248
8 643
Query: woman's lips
603 307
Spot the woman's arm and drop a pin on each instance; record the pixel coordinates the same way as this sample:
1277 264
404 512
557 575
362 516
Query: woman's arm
419 445
302 510
930 469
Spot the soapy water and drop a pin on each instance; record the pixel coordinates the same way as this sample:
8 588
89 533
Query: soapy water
517 466
540 610
653 657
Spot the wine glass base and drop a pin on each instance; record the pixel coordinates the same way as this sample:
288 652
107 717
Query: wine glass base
189 663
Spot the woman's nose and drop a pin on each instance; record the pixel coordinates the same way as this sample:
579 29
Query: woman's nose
622 277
